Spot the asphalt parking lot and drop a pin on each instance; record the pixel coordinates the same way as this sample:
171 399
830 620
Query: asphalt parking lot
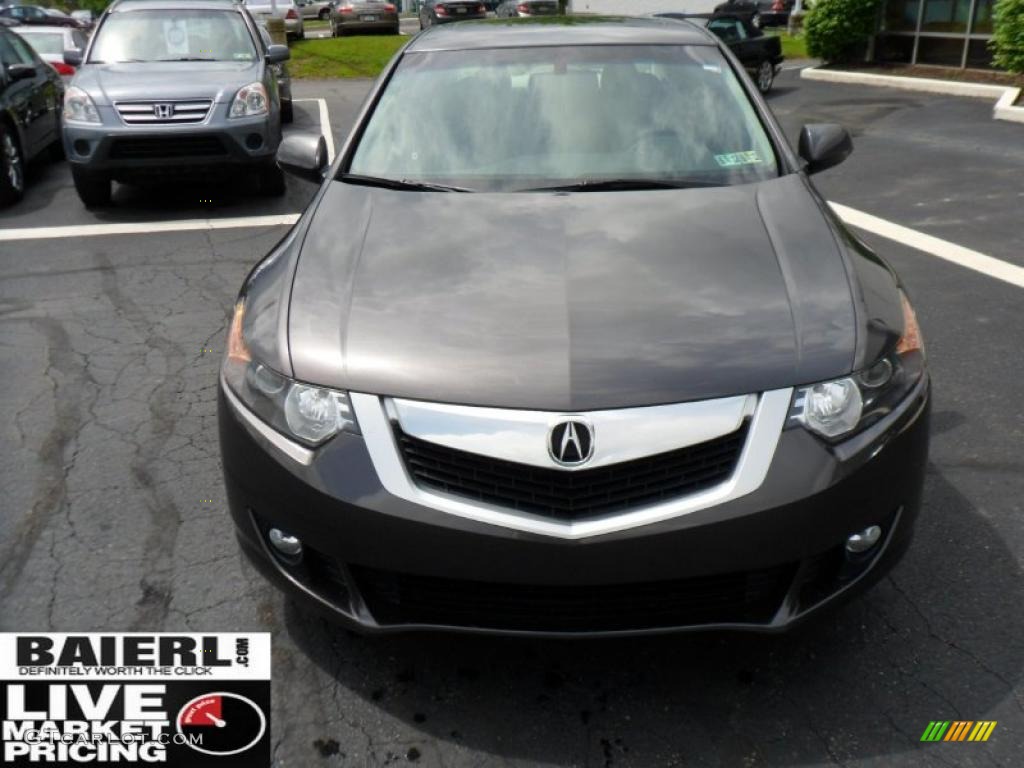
114 514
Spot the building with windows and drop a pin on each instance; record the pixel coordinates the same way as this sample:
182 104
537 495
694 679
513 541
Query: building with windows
952 33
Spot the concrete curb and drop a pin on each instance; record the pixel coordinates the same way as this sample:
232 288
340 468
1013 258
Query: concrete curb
1006 95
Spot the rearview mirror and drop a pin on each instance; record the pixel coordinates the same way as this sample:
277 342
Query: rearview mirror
824 145
278 53
20 71
303 155
73 57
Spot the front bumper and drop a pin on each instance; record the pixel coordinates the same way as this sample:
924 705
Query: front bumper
763 561
132 150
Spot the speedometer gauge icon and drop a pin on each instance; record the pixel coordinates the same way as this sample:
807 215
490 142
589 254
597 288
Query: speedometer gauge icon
221 723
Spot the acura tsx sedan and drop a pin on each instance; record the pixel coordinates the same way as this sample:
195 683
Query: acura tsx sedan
568 343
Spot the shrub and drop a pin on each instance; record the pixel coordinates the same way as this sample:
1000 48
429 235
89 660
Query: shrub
1008 39
837 29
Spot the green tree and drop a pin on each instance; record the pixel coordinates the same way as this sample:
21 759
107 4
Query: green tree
837 29
1008 37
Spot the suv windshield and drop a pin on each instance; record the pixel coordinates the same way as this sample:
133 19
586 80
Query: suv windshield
605 116
172 35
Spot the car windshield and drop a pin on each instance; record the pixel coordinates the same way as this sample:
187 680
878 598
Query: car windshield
173 35
44 42
528 118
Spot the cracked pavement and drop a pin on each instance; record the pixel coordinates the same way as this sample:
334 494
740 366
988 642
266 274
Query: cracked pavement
114 517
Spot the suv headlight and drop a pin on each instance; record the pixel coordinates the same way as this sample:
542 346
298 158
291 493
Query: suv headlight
302 412
839 408
79 107
250 101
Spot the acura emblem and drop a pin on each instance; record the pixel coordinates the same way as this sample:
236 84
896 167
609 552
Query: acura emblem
571 443
163 111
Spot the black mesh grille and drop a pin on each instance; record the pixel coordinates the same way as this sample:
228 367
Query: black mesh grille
572 495
167 147
750 597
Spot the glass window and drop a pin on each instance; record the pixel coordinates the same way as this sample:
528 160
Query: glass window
519 118
901 15
947 51
22 51
983 17
945 15
729 30
178 35
45 42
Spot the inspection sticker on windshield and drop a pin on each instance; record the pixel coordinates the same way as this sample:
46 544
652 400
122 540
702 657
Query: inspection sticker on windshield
738 158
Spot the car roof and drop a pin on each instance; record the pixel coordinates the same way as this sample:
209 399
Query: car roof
578 30
172 5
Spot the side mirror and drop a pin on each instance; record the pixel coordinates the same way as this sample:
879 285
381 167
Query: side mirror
20 71
73 57
303 155
278 53
824 145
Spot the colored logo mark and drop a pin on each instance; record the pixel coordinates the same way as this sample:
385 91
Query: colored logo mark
958 730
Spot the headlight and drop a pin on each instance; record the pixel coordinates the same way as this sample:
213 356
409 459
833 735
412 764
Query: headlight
302 412
839 408
78 107
250 101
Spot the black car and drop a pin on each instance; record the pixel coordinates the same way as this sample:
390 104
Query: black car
34 14
631 374
433 12
31 94
748 10
760 54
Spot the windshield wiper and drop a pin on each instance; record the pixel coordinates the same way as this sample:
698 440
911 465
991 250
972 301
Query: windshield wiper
381 181
189 58
612 185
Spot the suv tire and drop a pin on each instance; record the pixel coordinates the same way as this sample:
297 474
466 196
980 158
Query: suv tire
92 188
271 180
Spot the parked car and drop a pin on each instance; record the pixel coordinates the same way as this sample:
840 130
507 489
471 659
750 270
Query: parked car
365 16
433 12
749 10
85 17
760 54
262 10
51 42
775 13
283 77
525 8
34 14
172 89
630 374
314 9
30 100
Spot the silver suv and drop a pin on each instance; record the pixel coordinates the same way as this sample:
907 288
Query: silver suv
172 88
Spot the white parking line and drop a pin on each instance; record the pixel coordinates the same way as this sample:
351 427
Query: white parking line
325 126
145 228
956 254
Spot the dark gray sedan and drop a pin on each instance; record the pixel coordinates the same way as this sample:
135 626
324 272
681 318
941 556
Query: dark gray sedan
619 369
363 16
511 9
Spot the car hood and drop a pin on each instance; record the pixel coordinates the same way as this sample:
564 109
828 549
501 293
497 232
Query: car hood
217 80
571 302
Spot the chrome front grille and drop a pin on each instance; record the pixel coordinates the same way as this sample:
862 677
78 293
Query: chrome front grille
164 112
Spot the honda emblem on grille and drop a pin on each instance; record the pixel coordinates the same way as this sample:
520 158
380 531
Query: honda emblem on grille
571 443
163 111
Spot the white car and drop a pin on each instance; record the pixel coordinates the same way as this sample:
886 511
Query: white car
262 10
315 9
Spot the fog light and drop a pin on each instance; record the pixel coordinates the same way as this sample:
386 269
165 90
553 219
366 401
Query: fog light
254 141
81 147
285 543
863 540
